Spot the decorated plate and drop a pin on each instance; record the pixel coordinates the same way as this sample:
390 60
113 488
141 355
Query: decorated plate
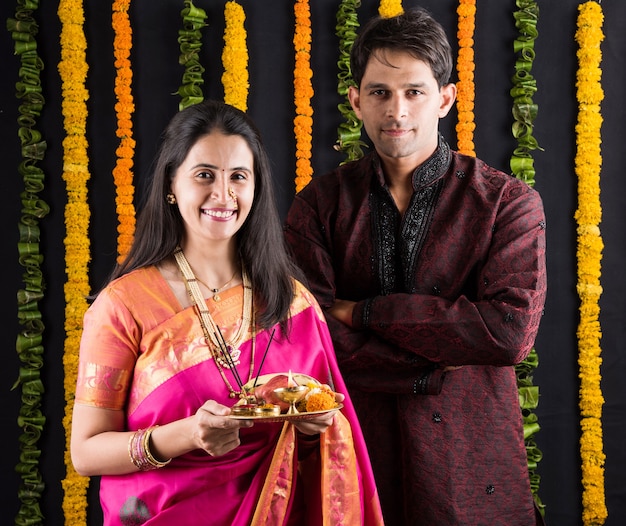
269 416
304 416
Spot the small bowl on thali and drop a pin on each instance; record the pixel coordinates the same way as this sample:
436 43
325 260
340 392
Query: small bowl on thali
267 410
244 410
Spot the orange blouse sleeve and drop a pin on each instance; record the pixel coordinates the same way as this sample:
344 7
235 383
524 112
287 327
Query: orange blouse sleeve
108 353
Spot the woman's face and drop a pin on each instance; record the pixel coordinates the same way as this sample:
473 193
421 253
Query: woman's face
214 187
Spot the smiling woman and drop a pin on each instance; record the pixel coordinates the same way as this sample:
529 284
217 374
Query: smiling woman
210 217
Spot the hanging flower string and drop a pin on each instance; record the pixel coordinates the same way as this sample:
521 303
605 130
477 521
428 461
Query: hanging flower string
123 171
349 132
588 164
73 72
524 113
23 29
303 93
235 57
465 85
524 87
389 8
190 42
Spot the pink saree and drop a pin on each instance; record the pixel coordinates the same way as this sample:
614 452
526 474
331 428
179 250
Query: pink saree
142 353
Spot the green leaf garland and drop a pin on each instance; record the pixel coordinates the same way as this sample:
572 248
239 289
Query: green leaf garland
522 166
190 42
23 29
349 141
524 86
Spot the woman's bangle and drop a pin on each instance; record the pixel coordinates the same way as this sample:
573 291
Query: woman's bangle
135 450
139 450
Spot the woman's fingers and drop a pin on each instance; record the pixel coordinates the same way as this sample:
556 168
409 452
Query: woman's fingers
215 432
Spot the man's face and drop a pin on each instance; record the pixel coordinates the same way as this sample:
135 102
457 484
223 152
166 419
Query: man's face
400 104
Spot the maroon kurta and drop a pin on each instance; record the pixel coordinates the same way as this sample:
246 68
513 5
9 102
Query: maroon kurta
459 280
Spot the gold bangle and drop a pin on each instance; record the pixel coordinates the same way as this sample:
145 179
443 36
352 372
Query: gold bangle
139 451
136 452
154 463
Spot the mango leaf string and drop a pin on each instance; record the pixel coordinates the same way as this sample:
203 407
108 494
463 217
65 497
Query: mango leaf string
522 166
23 29
189 40
349 132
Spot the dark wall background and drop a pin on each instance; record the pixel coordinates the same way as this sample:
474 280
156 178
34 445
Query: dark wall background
270 26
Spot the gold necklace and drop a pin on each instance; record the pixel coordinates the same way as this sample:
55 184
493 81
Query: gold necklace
230 352
216 296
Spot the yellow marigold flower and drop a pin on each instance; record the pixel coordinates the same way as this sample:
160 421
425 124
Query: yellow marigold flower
589 254
389 8
235 57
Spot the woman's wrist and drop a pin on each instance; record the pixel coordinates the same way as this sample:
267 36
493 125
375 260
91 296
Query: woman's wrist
140 450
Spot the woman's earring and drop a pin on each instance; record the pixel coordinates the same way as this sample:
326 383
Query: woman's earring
171 199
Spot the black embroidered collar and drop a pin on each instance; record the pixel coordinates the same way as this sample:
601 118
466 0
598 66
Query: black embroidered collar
429 171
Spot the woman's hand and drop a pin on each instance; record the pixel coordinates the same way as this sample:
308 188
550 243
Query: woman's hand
317 425
213 431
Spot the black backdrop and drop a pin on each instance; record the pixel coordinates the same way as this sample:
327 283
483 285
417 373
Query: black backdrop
270 25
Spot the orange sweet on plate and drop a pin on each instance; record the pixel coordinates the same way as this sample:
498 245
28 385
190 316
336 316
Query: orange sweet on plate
321 400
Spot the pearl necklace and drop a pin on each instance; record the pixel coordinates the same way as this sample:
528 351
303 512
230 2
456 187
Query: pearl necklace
225 353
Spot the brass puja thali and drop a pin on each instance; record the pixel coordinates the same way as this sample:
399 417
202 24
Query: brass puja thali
285 417
285 397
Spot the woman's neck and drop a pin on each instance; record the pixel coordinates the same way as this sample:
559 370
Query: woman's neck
215 266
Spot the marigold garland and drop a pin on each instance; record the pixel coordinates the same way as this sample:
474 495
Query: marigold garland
390 8
73 72
125 107
23 29
465 85
303 93
349 132
235 57
189 40
588 164
524 113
